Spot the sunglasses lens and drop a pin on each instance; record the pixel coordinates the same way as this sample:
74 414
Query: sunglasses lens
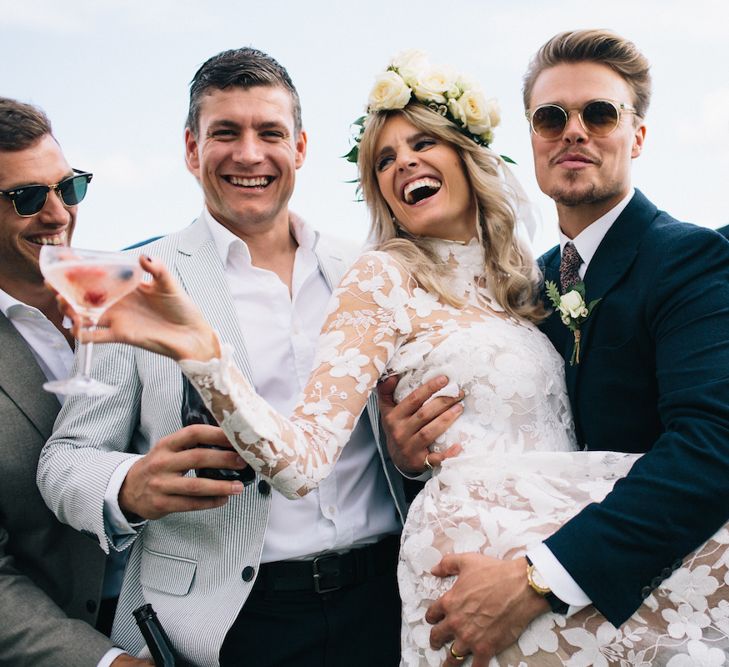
73 190
549 121
600 118
30 200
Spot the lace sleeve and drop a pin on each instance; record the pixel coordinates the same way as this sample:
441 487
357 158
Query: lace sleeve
368 318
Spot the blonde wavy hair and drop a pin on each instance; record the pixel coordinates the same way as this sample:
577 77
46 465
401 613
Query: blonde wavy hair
509 267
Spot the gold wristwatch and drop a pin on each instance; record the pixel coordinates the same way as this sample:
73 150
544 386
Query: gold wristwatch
539 586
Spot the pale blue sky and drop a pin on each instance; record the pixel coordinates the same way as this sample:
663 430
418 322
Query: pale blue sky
113 78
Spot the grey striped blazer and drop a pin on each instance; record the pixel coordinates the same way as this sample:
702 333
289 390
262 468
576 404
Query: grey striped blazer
187 565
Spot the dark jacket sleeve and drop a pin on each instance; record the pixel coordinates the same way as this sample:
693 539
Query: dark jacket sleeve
34 631
676 496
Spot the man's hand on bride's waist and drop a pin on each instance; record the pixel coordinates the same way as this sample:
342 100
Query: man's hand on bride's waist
412 425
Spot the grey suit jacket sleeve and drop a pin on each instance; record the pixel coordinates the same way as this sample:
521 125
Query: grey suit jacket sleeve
34 631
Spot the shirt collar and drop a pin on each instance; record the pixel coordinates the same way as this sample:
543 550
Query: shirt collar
227 242
588 240
8 303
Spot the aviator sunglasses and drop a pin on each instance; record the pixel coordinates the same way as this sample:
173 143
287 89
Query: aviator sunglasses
598 118
30 199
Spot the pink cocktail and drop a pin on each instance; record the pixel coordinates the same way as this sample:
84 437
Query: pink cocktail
91 281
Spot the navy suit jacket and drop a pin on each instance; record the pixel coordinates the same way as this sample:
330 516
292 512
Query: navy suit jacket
724 231
653 377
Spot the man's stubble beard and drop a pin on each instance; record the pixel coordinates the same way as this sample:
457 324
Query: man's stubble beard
591 193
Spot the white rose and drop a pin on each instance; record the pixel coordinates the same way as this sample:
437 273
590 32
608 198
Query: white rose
410 64
389 92
571 304
494 112
436 84
476 111
457 111
466 83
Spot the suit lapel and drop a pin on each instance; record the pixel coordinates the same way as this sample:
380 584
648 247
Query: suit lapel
614 256
21 379
203 276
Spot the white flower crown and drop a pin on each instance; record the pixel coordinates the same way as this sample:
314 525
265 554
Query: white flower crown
442 90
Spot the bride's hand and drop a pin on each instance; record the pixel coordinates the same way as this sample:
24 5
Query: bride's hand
158 316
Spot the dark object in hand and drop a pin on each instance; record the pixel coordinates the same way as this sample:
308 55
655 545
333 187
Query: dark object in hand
195 412
154 634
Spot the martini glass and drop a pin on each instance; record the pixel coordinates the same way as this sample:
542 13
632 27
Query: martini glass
90 281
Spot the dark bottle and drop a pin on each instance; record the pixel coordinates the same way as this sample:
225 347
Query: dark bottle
194 411
154 634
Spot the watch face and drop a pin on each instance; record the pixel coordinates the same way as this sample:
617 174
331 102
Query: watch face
538 579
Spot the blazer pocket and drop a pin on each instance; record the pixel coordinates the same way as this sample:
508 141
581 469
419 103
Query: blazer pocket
167 573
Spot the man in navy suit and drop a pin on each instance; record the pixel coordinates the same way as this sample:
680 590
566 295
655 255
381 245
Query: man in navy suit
724 231
653 370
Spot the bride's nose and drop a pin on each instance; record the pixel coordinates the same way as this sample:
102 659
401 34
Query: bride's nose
406 160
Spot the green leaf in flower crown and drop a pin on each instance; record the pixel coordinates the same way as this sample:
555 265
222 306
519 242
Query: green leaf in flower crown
507 159
352 155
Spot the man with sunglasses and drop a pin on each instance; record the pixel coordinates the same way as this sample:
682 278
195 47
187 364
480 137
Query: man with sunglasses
50 575
652 374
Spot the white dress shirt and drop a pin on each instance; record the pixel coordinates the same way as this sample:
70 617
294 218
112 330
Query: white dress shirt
552 571
55 358
353 505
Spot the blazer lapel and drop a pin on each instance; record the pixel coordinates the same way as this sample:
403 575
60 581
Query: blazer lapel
614 256
21 379
203 276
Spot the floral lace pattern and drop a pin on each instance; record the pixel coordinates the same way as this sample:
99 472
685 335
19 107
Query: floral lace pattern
517 480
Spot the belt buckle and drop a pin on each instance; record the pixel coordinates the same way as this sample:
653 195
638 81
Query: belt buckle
318 574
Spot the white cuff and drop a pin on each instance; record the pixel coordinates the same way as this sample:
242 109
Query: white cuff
116 523
558 579
109 657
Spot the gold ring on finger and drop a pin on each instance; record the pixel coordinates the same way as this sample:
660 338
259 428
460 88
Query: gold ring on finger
454 655
427 463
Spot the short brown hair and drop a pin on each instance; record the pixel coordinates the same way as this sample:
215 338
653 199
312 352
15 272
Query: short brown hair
599 46
21 125
243 68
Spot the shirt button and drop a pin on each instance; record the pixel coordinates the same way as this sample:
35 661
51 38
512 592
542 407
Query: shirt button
264 488
332 510
248 573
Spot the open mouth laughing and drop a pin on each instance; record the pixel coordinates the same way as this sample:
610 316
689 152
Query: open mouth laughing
420 189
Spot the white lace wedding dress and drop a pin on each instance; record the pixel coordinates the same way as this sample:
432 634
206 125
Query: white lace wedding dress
516 481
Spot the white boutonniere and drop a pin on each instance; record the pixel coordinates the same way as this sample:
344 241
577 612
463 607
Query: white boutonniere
573 310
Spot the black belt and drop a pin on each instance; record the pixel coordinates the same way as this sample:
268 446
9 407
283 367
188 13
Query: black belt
330 571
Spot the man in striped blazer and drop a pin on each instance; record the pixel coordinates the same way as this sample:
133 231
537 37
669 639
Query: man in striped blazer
237 575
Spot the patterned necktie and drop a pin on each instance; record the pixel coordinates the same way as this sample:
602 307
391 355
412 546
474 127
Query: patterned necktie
568 269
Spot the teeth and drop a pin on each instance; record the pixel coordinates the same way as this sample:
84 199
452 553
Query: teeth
411 187
257 182
58 239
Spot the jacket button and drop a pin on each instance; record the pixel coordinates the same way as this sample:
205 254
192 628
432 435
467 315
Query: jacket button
645 592
91 606
264 487
666 572
248 573
656 582
677 564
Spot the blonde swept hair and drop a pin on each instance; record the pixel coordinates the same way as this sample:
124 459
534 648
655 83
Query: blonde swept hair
599 46
509 268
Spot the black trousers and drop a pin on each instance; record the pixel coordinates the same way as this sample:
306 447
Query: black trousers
354 626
